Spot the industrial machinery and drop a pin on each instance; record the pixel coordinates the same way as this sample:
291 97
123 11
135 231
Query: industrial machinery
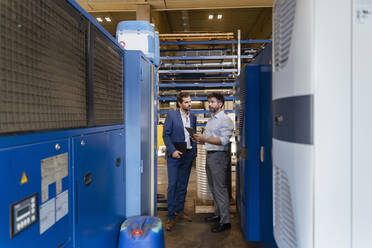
63 127
321 135
140 94
254 167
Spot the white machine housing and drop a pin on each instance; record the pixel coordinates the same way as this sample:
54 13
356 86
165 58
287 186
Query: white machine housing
322 188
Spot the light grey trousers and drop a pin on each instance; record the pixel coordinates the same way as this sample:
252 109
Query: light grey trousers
217 169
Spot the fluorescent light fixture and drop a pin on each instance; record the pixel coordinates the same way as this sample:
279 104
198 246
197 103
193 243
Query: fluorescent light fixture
210 17
219 17
196 102
99 19
108 19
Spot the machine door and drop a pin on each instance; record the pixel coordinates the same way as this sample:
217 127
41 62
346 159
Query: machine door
255 166
147 139
99 187
36 197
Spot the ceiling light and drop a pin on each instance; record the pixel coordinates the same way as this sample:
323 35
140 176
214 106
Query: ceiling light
99 19
210 17
219 17
108 19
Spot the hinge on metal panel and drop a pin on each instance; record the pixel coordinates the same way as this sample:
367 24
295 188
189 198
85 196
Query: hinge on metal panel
262 154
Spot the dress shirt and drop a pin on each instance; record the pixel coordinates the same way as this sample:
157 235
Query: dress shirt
219 126
186 123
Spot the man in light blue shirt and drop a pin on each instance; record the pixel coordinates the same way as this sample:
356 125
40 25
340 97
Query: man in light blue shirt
216 138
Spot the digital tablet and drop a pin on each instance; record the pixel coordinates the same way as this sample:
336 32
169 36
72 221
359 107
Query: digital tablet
191 131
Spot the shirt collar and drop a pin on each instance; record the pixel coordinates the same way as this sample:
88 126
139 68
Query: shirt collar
183 114
219 114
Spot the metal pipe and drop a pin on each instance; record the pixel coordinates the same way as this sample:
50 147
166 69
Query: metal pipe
239 55
205 57
223 64
182 85
213 42
198 71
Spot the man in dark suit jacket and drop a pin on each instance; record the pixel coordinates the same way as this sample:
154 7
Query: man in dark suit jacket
181 151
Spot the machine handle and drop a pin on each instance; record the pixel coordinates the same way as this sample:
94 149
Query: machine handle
88 178
278 119
118 162
262 154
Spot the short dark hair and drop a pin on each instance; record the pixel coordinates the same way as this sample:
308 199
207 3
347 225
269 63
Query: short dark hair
218 96
182 95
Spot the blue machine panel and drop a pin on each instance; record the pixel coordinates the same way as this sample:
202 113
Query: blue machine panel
139 91
41 169
100 191
254 171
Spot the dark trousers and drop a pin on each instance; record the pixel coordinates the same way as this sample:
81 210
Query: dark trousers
217 168
178 179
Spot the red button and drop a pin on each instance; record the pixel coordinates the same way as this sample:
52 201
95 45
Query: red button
137 232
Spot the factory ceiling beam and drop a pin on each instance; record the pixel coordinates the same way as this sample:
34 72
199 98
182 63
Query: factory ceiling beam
143 12
163 5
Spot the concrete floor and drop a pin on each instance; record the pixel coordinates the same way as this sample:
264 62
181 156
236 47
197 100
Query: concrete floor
197 233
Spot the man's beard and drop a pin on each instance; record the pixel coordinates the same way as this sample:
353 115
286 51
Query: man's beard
213 110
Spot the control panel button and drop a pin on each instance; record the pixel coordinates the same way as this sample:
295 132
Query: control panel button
33 218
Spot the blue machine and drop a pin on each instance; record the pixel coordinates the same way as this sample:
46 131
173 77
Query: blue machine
254 170
140 91
62 128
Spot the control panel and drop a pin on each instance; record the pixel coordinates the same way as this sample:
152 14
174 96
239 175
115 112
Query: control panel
23 214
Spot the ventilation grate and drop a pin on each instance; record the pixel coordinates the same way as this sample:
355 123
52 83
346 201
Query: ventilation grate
242 104
42 67
284 227
284 16
108 84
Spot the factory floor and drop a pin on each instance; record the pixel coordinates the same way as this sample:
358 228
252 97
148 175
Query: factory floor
197 233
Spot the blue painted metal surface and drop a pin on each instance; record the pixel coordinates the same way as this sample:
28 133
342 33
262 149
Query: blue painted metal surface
100 203
23 153
254 177
27 159
138 77
94 211
142 232
213 42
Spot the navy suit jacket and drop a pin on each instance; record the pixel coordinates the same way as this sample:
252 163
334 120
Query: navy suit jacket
173 130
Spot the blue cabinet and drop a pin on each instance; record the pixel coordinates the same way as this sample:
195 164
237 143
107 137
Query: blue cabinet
100 190
36 195
254 170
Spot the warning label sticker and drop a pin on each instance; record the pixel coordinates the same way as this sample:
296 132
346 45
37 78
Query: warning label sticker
53 170
61 205
47 215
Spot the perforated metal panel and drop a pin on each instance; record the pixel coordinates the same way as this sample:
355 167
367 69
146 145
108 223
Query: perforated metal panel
284 225
42 67
284 16
108 84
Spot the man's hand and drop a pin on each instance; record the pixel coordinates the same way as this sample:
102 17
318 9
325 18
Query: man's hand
176 154
199 138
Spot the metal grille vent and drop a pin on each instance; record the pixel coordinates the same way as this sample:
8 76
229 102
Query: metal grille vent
242 105
284 227
284 16
42 67
108 84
